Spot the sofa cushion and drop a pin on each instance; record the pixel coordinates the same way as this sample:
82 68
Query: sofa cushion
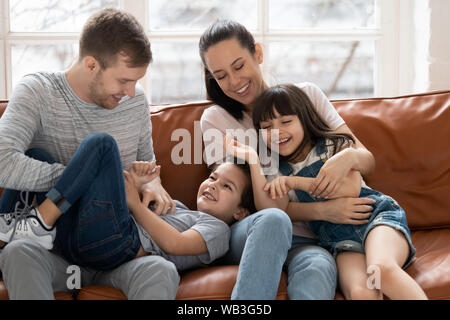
181 181
431 266
212 283
409 137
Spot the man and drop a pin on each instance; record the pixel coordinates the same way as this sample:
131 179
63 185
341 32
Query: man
55 112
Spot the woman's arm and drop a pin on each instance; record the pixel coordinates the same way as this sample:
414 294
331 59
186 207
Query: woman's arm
346 208
331 175
168 238
340 211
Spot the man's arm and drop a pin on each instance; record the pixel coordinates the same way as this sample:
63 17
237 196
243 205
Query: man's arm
18 126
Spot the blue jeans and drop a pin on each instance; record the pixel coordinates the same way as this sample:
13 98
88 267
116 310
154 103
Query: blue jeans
312 271
262 244
95 229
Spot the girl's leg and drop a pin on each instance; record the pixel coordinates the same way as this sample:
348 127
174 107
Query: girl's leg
259 244
353 277
387 249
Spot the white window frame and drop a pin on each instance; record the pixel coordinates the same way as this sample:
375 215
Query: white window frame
390 71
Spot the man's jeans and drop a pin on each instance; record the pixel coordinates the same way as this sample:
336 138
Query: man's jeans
32 272
262 243
95 228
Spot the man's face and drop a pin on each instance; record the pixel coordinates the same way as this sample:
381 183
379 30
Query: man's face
114 82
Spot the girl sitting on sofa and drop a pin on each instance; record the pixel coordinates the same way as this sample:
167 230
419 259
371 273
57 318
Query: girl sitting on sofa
382 246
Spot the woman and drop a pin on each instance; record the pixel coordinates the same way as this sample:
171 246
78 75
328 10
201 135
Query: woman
233 81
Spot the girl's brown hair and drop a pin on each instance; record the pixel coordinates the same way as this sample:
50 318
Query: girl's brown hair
288 99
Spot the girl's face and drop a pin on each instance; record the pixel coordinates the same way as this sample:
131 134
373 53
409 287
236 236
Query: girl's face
289 134
220 194
236 70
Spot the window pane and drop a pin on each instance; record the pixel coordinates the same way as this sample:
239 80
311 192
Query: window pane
31 58
54 15
199 14
288 14
341 69
176 73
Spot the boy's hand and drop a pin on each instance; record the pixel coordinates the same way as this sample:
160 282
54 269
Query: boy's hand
143 172
279 187
239 150
133 199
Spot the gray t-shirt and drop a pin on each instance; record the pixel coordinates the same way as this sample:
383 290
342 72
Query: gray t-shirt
44 112
215 232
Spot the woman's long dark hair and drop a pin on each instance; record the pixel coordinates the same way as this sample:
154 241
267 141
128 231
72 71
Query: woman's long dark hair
288 99
219 31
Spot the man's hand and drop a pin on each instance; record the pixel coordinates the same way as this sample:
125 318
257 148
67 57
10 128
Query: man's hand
154 192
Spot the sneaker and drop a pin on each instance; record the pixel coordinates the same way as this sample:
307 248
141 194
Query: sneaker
25 224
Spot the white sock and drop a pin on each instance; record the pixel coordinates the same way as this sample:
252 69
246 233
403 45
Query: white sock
38 214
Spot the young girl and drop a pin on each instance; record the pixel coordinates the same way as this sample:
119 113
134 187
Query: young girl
383 245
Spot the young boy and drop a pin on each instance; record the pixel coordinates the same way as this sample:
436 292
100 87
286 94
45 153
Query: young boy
105 234
190 238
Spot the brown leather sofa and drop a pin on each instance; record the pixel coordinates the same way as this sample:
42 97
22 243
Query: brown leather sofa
410 138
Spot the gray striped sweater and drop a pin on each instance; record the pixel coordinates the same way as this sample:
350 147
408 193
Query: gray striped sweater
44 112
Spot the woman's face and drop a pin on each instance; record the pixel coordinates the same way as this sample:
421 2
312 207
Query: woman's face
236 70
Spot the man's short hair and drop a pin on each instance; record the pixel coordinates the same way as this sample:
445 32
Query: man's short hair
111 32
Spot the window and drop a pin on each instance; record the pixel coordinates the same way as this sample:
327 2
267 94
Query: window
338 44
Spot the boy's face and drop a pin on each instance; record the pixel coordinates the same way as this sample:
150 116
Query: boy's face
114 82
220 194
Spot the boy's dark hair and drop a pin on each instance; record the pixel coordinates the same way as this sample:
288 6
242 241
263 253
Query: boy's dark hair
247 200
288 99
110 32
219 31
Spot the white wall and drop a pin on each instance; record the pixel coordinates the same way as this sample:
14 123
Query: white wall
439 45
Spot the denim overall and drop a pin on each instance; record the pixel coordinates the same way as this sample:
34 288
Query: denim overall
347 237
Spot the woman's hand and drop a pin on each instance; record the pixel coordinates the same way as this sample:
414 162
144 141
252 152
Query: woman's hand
348 210
239 150
331 176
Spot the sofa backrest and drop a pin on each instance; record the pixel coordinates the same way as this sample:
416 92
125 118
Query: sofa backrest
409 137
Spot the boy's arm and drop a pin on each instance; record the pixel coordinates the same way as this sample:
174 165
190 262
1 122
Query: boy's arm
168 238
261 198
